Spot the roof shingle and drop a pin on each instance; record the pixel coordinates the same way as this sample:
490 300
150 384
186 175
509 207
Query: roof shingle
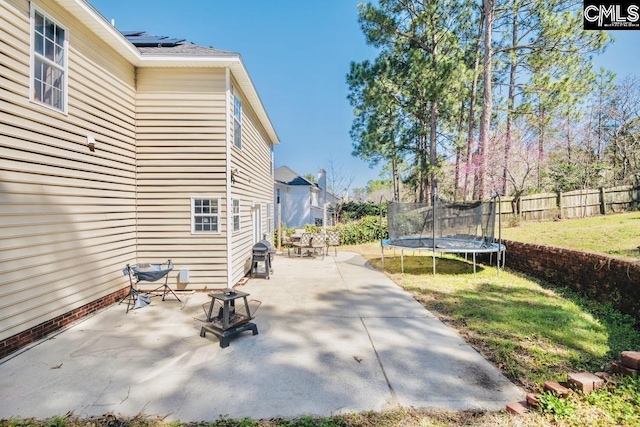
149 44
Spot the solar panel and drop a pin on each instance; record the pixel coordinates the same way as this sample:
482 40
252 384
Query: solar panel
142 39
132 33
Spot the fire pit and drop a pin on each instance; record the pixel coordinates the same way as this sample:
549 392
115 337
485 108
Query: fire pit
228 320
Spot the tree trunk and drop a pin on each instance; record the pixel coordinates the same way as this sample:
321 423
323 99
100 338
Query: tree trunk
433 147
471 120
396 178
487 108
511 99
540 145
421 165
456 189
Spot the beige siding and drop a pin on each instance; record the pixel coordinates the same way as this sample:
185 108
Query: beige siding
67 215
253 187
181 153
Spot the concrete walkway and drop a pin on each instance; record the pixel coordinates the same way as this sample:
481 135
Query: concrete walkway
334 336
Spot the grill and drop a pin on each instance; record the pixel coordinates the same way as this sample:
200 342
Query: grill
261 259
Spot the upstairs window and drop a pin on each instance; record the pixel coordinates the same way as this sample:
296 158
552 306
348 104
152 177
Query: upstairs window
48 61
237 122
205 215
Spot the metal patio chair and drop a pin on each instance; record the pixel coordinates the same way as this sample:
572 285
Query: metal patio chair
318 244
303 243
147 272
333 240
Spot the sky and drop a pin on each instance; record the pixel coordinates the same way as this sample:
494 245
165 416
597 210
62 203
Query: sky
297 53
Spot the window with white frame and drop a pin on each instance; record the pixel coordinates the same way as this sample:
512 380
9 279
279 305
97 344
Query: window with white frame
236 214
272 164
205 215
269 218
237 122
313 198
49 53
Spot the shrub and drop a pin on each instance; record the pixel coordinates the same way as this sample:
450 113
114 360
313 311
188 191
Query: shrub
366 229
356 210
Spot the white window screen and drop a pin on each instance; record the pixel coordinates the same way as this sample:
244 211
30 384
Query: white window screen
205 214
237 122
236 214
49 61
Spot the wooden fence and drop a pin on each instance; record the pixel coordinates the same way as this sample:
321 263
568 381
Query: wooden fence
572 204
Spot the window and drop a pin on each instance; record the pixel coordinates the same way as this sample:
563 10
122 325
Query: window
236 215
48 62
205 215
269 218
237 122
272 166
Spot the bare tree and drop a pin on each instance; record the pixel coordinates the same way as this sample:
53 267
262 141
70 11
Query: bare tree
623 128
523 162
339 178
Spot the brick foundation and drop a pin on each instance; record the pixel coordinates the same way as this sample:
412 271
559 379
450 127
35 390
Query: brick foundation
18 341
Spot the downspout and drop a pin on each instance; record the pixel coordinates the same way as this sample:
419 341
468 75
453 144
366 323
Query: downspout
136 204
228 176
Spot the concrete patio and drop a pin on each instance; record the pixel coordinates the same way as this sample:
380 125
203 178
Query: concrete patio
334 336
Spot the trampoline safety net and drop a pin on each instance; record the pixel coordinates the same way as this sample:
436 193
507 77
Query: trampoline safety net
443 225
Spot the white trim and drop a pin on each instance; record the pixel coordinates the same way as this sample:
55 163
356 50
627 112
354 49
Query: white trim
269 219
218 215
64 68
256 221
228 143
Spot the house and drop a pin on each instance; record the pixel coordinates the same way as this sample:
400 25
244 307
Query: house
118 149
299 201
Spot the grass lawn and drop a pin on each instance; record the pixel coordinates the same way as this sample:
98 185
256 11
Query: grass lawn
533 333
615 235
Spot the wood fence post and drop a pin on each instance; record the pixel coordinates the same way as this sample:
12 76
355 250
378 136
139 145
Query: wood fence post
603 202
519 207
560 207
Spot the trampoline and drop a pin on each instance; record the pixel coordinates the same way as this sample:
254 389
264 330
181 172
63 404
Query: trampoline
445 227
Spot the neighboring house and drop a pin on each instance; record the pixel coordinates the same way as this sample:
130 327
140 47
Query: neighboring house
299 201
117 151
